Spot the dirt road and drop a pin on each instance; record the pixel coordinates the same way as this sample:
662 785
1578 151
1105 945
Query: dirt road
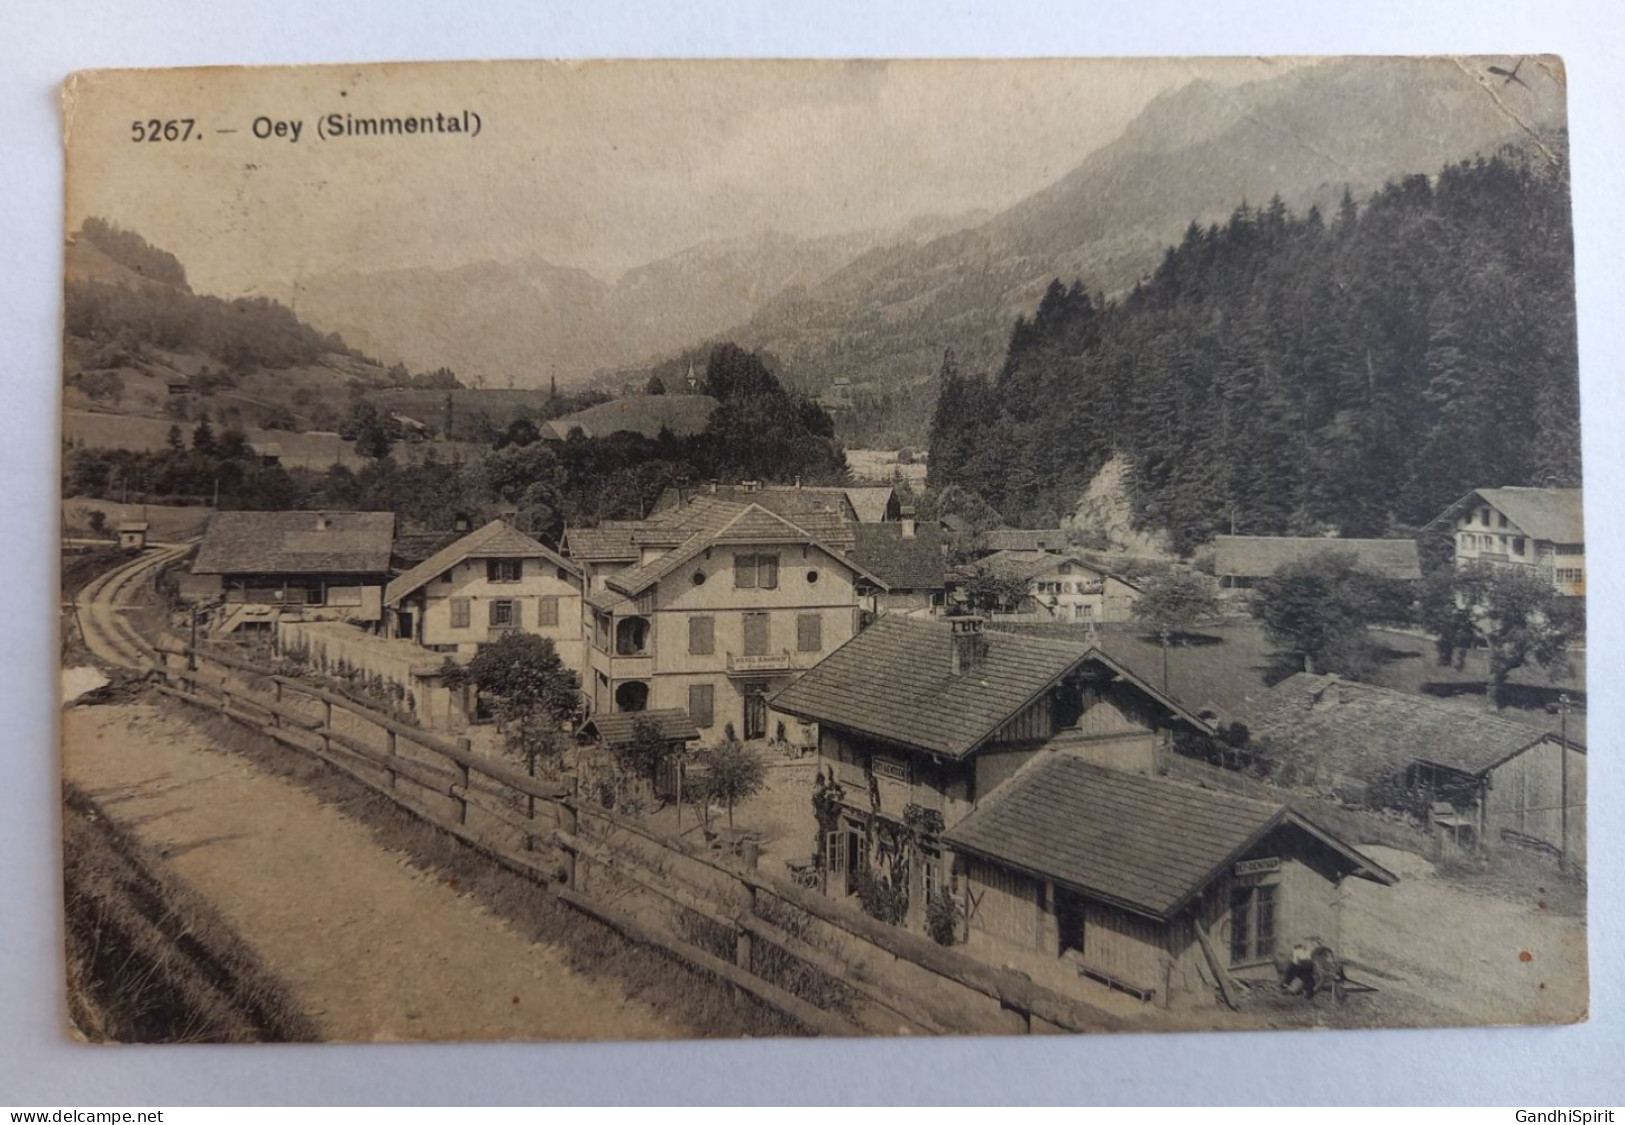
372 948
1491 959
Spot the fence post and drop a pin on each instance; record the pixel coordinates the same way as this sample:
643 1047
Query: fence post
276 716
567 818
327 726
389 737
467 747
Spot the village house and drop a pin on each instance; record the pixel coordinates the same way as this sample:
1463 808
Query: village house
1240 561
1472 775
266 567
907 557
1016 778
1540 530
1061 587
490 582
1022 539
679 415
803 505
710 607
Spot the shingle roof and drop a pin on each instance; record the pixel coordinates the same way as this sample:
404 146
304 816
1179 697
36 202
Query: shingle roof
1555 514
290 543
496 540
1145 843
1369 733
1258 556
901 563
1025 539
620 727
894 681
871 503
1026 565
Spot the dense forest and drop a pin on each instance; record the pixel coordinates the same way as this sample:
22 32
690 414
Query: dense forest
1286 374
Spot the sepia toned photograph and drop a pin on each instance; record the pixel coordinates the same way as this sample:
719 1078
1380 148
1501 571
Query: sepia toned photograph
615 550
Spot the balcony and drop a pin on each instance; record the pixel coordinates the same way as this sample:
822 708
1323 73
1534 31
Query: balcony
756 665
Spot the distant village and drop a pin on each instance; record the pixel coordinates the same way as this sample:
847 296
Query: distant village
993 747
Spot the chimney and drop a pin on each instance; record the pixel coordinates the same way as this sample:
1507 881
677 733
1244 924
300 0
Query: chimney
322 521
461 523
969 644
907 519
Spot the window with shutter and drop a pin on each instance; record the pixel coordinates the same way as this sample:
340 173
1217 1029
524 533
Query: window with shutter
503 570
702 636
702 704
459 613
768 571
809 632
744 572
504 614
547 611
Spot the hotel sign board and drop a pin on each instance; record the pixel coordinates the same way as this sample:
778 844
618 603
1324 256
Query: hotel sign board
1259 866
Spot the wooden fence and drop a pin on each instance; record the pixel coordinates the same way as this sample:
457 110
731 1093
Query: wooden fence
591 857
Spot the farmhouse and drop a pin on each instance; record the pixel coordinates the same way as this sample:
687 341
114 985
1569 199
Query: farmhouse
1241 560
1024 539
1016 777
265 567
1540 530
1476 775
492 581
1063 587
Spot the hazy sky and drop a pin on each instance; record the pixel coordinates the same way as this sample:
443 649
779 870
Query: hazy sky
598 165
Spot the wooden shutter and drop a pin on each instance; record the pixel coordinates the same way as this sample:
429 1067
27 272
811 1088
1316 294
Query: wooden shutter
768 571
547 611
702 636
459 613
809 632
744 572
701 704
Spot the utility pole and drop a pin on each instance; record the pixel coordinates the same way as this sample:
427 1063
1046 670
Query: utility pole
1165 635
1563 785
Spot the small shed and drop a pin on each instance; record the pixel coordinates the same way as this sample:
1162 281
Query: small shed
132 535
619 728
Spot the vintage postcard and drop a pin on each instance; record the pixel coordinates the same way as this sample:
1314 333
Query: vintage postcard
614 550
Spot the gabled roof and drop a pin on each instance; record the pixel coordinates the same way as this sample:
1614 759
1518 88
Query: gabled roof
1370 733
1147 844
894 681
620 727
683 415
296 543
1026 565
496 540
1554 514
753 524
902 563
600 544
871 503
1258 556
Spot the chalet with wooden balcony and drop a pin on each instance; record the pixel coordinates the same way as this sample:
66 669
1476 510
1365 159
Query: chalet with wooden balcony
1011 784
710 607
1539 530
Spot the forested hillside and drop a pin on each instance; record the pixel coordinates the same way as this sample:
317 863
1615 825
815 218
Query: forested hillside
1299 374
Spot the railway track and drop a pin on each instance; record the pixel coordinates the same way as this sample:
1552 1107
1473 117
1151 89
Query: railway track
100 607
